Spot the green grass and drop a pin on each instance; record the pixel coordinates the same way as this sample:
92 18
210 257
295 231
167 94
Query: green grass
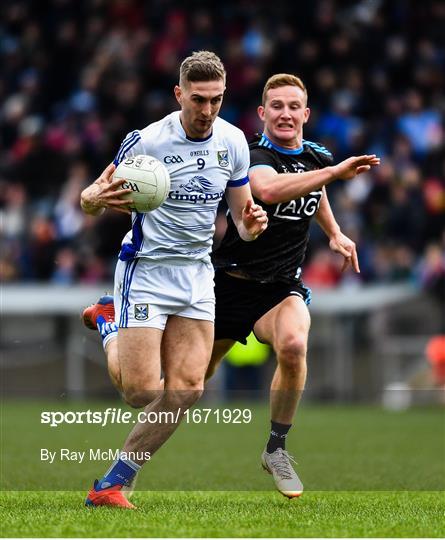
367 473
228 514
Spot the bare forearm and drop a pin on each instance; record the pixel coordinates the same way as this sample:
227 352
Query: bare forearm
289 186
325 217
249 218
271 187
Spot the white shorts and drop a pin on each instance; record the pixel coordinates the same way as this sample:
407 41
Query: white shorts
146 293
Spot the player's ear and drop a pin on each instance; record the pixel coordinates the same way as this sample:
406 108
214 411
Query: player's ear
307 113
178 94
260 112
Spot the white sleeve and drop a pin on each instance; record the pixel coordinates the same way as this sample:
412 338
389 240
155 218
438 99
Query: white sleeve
131 146
241 162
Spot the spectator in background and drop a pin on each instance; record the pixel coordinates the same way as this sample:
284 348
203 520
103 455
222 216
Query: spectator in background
68 216
422 126
323 270
376 72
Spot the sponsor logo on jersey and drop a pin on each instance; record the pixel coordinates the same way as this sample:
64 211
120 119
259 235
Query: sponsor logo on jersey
173 159
195 153
141 312
304 207
223 158
197 184
197 189
297 167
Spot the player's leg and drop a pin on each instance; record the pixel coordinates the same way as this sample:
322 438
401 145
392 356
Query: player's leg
286 328
141 324
140 364
139 359
186 349
101 317
113 366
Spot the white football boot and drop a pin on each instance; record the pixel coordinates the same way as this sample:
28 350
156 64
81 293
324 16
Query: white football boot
279 465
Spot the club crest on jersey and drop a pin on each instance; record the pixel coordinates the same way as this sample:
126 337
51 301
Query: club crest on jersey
223 158
198 184
141 312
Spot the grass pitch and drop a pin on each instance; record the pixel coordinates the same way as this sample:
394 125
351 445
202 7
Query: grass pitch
228 514
367 473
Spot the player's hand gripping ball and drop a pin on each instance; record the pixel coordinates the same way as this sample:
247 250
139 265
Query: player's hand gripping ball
148 180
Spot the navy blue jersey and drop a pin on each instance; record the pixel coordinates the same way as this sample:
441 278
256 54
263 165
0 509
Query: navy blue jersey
277 254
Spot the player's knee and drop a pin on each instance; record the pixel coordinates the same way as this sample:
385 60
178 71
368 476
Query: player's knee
291 353
180 399
192 395
187 391
139 396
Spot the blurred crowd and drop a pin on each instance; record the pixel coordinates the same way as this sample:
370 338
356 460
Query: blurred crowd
78 75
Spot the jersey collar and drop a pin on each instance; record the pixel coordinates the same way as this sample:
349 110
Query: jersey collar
267 143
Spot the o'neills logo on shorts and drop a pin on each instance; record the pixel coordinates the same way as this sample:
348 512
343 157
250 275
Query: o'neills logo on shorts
141 312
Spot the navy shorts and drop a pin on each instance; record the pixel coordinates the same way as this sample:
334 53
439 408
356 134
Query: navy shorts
240 303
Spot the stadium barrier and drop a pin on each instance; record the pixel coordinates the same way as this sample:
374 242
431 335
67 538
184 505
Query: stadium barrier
40 324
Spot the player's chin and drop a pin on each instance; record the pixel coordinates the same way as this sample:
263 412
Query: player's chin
203 127
285 134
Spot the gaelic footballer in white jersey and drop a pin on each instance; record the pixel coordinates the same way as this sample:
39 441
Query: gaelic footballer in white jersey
182 228
164 267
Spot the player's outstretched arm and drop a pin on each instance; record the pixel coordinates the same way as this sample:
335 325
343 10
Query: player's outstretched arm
103 193
338 241
353 166
272 188
250 218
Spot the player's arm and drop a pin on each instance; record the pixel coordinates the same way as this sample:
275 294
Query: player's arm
271 187
105 193
250 218
338 241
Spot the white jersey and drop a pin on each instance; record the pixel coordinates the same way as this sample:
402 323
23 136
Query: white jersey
182 228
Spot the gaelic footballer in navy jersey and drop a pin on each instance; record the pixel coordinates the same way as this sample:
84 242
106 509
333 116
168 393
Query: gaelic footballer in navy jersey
260 286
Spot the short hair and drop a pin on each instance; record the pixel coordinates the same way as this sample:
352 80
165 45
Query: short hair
282 79
201 66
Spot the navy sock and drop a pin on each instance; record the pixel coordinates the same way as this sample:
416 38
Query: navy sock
120 473
278 434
